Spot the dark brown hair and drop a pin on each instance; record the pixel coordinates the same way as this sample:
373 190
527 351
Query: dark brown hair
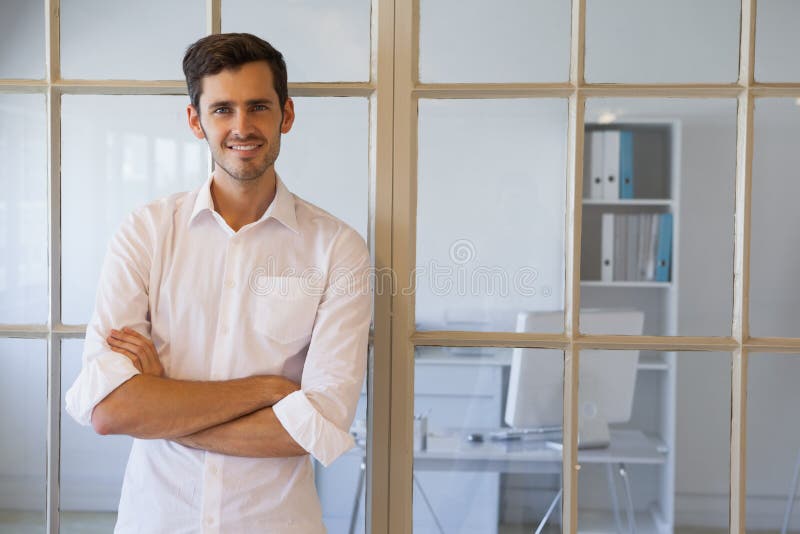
214 53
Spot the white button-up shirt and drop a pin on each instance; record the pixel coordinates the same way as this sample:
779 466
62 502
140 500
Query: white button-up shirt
286 295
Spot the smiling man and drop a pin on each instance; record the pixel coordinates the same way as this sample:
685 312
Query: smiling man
230 327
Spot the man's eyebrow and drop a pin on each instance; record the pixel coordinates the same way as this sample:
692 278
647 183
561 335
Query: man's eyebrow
220 104
228 103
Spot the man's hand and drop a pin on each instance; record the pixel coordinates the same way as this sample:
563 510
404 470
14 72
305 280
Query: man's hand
139 349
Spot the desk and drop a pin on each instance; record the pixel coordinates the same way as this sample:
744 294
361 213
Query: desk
451 451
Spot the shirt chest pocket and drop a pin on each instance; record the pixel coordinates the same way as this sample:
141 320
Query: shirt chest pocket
284 309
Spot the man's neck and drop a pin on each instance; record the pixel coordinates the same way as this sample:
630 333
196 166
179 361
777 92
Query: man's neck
241 203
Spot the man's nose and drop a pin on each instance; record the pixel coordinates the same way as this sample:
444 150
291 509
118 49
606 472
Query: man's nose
243 125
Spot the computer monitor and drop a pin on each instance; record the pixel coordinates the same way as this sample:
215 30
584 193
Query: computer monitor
606 383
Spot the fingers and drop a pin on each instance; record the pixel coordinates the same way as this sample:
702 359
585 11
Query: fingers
134 345
131 356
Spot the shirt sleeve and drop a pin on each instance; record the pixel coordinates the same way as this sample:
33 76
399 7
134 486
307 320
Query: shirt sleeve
121 300
319 415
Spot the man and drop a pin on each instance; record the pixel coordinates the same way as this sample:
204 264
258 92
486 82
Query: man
258 309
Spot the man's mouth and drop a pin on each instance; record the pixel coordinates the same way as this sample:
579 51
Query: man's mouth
244 148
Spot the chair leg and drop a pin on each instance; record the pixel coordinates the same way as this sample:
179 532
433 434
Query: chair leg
623 473
612 492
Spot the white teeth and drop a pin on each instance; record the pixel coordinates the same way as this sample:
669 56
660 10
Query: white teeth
244 147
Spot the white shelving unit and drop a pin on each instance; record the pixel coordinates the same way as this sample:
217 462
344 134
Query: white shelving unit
654 400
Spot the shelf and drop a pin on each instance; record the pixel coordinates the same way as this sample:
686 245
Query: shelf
620 283
628 202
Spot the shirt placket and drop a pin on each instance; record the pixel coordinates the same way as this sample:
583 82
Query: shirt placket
213 463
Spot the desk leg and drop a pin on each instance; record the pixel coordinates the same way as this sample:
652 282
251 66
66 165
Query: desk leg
428 504
623 473
612 492
790 498
357 500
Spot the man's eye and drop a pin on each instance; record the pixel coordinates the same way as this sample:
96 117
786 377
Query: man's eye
222 110
260 107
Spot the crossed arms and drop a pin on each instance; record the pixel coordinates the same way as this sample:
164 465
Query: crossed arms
232 417
121 388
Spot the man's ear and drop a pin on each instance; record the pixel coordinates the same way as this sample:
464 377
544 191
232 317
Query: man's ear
288 116
194 122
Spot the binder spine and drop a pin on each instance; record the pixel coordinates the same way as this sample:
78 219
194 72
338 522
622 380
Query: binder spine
607 248
664 256
626 164
596 170
611 165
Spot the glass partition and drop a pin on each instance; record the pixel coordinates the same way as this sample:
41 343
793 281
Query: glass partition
774 295
490 212
23 425
777 41
22 39
475 470
773 446
658 213
23 209
648 41
451 51
100 41
92 466
322 40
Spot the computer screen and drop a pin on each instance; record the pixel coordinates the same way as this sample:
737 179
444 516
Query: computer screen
607 378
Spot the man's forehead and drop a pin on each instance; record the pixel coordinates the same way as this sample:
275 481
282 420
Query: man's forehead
249 81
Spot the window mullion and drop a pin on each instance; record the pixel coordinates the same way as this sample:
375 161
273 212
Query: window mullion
572 283
213 16
53 66
741 307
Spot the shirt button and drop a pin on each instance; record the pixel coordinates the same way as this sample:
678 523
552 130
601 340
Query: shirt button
230 283
209 521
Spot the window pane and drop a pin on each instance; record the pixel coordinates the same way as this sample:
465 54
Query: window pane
520 42
324 158
774 294
321 40
105 40
92 466
777 41
341 486
660 240
23 469
773 442
649 41
22 39
465 478
118 153
668 420
23 209
490 211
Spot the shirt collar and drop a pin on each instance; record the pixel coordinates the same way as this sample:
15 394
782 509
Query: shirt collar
282 207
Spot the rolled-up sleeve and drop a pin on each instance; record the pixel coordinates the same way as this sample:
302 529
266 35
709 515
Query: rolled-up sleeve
319 415
122 300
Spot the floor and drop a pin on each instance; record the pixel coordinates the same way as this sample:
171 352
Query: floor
19 522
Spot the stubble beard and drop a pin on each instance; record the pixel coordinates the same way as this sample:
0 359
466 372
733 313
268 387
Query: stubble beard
249 171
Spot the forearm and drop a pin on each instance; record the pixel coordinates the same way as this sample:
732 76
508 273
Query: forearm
256 435
147 406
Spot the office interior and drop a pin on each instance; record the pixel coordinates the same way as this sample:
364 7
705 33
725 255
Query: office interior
488 225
